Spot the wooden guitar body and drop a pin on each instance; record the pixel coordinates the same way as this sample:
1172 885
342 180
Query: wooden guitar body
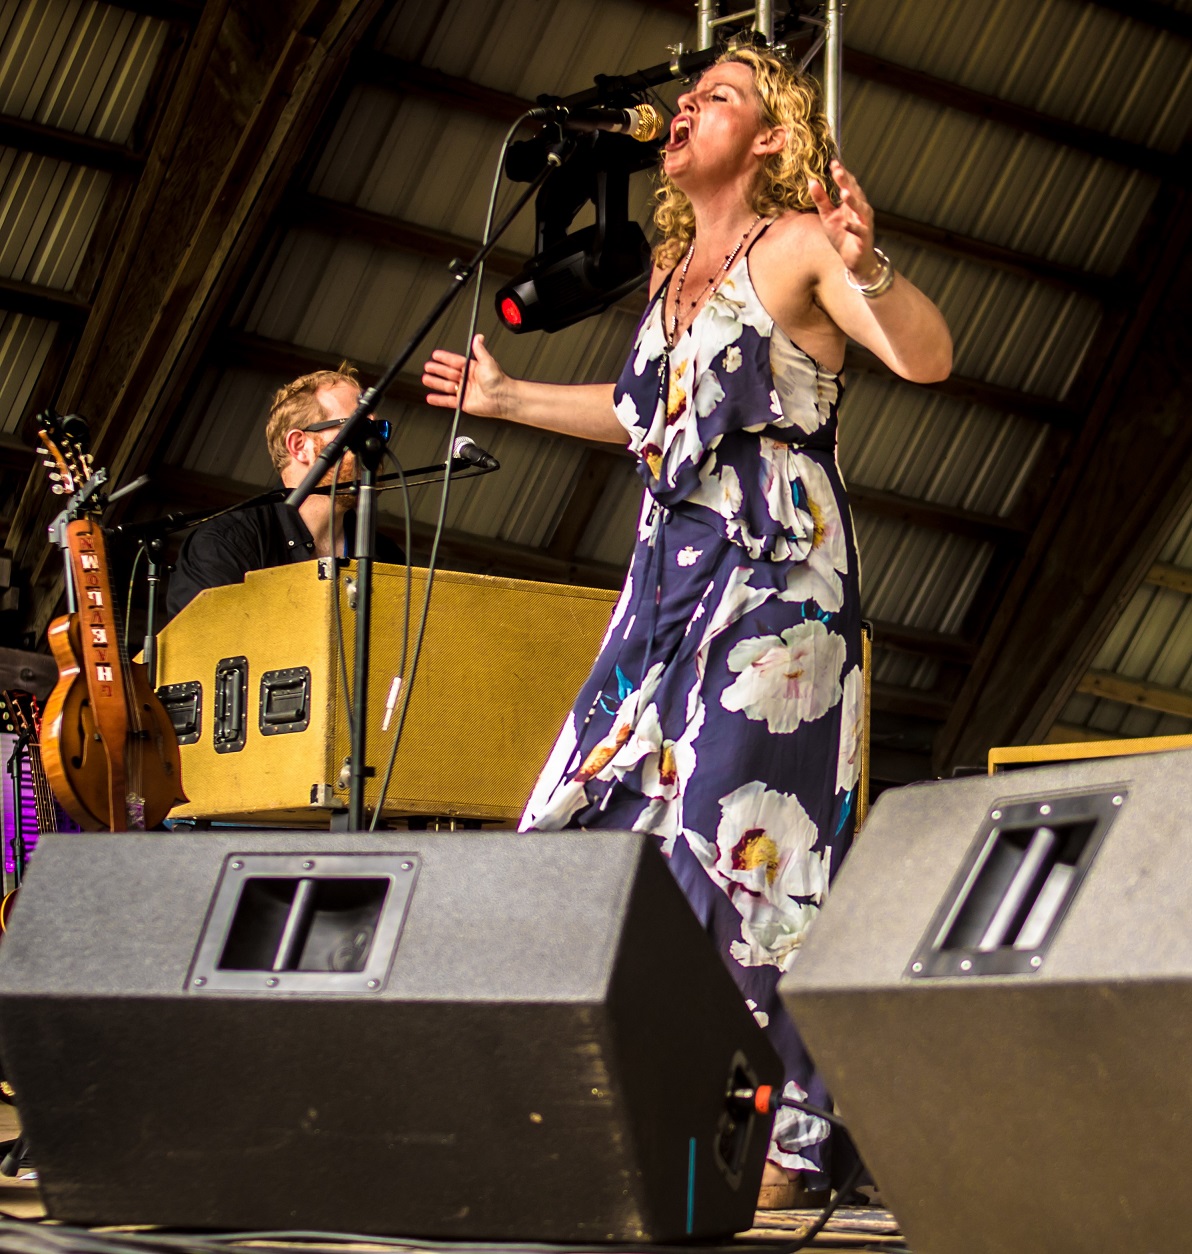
76 756
109 749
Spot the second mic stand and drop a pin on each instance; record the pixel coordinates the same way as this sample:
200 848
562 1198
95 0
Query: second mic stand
354 435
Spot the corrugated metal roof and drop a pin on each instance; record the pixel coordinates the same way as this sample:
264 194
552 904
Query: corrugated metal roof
24 345
1073 61
1151 641
984 179
925 445
76 65
48 211
528 47
915 576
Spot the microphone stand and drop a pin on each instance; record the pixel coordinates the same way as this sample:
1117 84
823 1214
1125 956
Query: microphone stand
355 435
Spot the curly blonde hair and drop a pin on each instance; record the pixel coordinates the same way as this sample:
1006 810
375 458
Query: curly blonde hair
786 99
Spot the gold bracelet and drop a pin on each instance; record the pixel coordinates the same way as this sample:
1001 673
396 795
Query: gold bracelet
883 282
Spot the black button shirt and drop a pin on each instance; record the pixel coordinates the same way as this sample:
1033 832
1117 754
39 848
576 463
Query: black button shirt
224 550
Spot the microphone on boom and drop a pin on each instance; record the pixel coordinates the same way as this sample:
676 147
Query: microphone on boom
465 449
643 122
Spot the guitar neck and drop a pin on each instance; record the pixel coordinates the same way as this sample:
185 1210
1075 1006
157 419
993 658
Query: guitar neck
43 798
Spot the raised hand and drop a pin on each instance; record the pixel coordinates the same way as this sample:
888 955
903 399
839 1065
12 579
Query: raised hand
488 384
849 225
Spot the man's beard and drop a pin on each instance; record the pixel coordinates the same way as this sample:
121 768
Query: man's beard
344 476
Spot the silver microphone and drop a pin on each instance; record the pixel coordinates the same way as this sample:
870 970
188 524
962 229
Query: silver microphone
465 449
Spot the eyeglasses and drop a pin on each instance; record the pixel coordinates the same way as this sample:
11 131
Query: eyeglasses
382 426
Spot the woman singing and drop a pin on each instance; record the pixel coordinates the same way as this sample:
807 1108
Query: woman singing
723 712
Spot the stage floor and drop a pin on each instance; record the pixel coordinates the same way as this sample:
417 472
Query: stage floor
856 1229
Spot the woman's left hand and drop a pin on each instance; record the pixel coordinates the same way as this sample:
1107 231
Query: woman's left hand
849 225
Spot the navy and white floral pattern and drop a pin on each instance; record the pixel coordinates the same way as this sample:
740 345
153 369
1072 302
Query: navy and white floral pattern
723 711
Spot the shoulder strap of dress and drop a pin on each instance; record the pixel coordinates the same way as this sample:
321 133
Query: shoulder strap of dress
765 227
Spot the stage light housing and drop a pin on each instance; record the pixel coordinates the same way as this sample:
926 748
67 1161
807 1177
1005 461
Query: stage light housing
570 281
576 274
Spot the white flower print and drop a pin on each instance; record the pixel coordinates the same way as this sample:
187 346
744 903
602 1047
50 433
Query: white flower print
562 802
651 342
708 394
763 853
807 395
852 716
688 556
815 578
719 490
737 600
786 680
628 417
763 1019
732 359
796 1129
797 524
764 843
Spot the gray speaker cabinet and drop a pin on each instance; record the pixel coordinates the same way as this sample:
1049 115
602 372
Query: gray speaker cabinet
470 1036
999 991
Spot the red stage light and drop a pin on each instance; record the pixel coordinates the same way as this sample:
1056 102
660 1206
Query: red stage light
510 312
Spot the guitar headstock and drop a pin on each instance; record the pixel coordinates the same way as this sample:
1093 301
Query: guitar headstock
72 472
19 714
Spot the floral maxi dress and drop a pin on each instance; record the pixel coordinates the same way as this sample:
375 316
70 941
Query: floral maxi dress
723 711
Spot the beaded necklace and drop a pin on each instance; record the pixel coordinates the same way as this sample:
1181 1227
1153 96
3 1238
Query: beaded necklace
671 335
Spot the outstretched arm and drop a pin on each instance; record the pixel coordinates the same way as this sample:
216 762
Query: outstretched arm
584 410
901 325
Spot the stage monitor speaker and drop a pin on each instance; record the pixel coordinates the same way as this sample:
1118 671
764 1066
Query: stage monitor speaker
999 992
474 1036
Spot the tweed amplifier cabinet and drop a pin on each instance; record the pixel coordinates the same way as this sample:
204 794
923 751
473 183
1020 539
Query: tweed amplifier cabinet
999 991
251 677
474 1036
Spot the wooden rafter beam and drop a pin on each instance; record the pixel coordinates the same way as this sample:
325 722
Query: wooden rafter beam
596 471
1175 578
911 702
51 141
348 221
449 89
919 640
1137 692
35 301
15 457
1100 287
1070 734
989 528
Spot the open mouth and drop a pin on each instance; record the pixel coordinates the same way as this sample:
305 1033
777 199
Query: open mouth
680 132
